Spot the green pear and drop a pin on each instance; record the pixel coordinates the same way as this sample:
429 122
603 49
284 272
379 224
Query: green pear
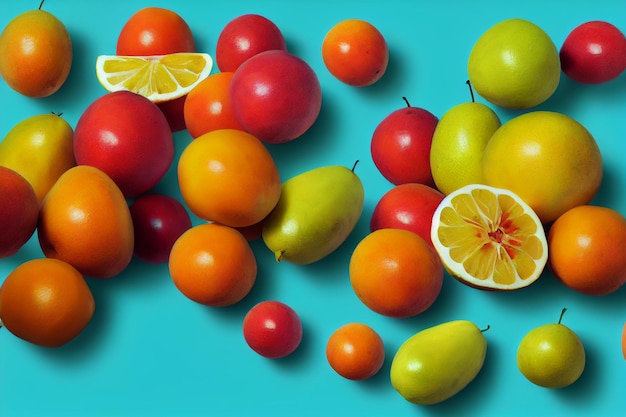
436 363
316 212
458 143
551 356
514 64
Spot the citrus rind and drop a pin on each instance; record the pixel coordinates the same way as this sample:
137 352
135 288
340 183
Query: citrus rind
489 238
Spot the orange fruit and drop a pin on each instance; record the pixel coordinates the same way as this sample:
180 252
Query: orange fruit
85 221
159 78
228 176
355 351
213 264
208 107
155 31
355 52
18 212
624 341
396 273
587 246
46 302
548 159
489 238
36 52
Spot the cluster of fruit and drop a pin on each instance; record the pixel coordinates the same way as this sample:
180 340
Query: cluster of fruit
458 202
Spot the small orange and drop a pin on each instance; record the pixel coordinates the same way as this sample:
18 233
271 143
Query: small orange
46 302
396 273
587 249
213 264
355 351
155 31
36 53
208 107
85 221
228 176
624 341
355 52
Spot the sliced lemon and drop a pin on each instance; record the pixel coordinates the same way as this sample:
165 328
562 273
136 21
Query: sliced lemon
159 78
489 238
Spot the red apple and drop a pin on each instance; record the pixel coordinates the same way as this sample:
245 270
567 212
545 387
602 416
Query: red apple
401 144
244 37
19 211
158 221
276 96
272 329
125 135
593 53
174 112
408 206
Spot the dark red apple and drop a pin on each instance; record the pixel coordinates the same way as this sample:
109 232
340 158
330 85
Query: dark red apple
174 112
593 53
408 206
244 37
401 144
158 221
125 135
276 96
19 211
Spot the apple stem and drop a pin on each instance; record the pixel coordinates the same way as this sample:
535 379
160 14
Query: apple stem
469 84
57 114
406 101
354 166
41 4
562 312
485 329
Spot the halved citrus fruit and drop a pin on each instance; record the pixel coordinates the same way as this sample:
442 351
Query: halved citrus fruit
489 238
159 78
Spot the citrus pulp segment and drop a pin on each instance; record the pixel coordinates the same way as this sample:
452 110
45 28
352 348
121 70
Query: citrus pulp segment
159 78
489 238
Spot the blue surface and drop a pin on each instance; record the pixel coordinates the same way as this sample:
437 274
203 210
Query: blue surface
151 352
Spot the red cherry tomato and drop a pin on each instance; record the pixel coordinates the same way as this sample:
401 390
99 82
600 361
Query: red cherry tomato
272 329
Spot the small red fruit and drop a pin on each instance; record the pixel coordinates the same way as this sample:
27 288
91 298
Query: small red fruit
407 206
19 211
401 145
245 36
593 53
272 329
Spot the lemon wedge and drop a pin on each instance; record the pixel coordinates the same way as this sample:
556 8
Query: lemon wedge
158 78
489 238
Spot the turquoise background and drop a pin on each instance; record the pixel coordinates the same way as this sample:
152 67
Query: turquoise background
149 351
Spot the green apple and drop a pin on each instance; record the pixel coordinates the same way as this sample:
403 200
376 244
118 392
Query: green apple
551 356
515 64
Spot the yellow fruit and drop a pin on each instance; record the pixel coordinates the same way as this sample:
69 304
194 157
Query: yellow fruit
514 64
458 144
159 78
549 159
489 238
40 148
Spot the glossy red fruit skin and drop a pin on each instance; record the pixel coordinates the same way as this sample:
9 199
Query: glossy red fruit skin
400 146
272 329
19 211
158 221
245 36
276 96
408 206
593 53
173 111
128 137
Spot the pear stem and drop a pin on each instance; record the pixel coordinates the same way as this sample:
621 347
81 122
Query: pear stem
354 166
469 84
41 4
485 329
561 316
406 100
